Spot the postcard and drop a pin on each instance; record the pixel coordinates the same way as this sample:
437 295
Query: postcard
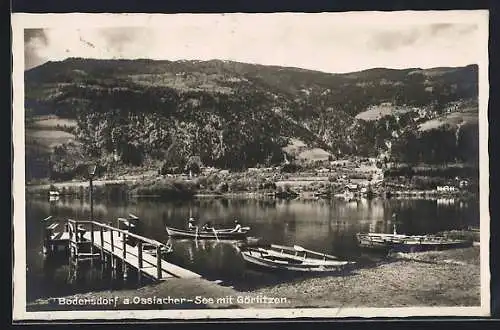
250 166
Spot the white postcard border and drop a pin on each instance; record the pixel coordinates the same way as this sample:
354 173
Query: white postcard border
20 21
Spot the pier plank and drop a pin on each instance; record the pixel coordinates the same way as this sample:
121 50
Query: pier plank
61 236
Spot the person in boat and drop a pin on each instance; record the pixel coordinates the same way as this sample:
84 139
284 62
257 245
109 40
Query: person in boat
207 227
192 224
394 222
237 226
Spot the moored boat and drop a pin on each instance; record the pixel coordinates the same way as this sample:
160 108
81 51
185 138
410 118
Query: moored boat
409 243
295 259
220 234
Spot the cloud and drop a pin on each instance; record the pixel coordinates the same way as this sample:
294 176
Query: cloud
33 40
30 34
390 40
440 27
318 43
120 37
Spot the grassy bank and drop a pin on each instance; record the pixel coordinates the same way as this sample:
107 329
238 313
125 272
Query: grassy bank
166 188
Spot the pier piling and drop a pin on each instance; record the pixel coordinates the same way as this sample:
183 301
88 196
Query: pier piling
121 249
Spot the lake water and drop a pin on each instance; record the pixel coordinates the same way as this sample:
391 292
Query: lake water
322 225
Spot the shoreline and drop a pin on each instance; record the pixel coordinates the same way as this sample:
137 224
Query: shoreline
434 278
77 188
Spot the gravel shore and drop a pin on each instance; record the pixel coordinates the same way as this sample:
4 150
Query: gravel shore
441 278
438 278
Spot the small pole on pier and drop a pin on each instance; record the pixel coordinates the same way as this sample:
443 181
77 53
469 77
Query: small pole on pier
92 169
158 261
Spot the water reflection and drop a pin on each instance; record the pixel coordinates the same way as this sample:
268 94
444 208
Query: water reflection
445 201
325 225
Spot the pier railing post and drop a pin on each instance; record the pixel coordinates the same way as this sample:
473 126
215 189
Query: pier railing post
124 246
112 241
139 252
77 230
102 241
77 240
158 261
92 239
46 239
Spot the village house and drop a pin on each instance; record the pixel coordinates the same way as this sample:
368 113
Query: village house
352 187
463 183
208 170
338 163
446 188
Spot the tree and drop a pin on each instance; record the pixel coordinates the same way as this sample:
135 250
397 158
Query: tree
194 165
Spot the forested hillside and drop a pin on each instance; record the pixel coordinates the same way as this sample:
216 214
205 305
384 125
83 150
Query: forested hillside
236 115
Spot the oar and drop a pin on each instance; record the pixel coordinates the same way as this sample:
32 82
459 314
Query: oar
298 248
301 249
215 232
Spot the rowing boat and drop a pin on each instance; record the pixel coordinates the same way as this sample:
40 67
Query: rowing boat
219 234
295 259
409 243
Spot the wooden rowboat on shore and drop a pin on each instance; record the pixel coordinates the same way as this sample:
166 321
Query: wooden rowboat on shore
295 259
219 234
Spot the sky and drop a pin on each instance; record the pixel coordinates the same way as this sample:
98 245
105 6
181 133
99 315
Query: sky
316 42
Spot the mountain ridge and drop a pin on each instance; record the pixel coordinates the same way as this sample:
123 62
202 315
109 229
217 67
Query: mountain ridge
75 59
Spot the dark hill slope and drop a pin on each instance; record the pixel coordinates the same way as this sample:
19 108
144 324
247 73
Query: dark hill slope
236 114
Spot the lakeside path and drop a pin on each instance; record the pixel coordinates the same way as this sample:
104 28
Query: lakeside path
441 278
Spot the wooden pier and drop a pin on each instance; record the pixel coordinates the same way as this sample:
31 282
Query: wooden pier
92 240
